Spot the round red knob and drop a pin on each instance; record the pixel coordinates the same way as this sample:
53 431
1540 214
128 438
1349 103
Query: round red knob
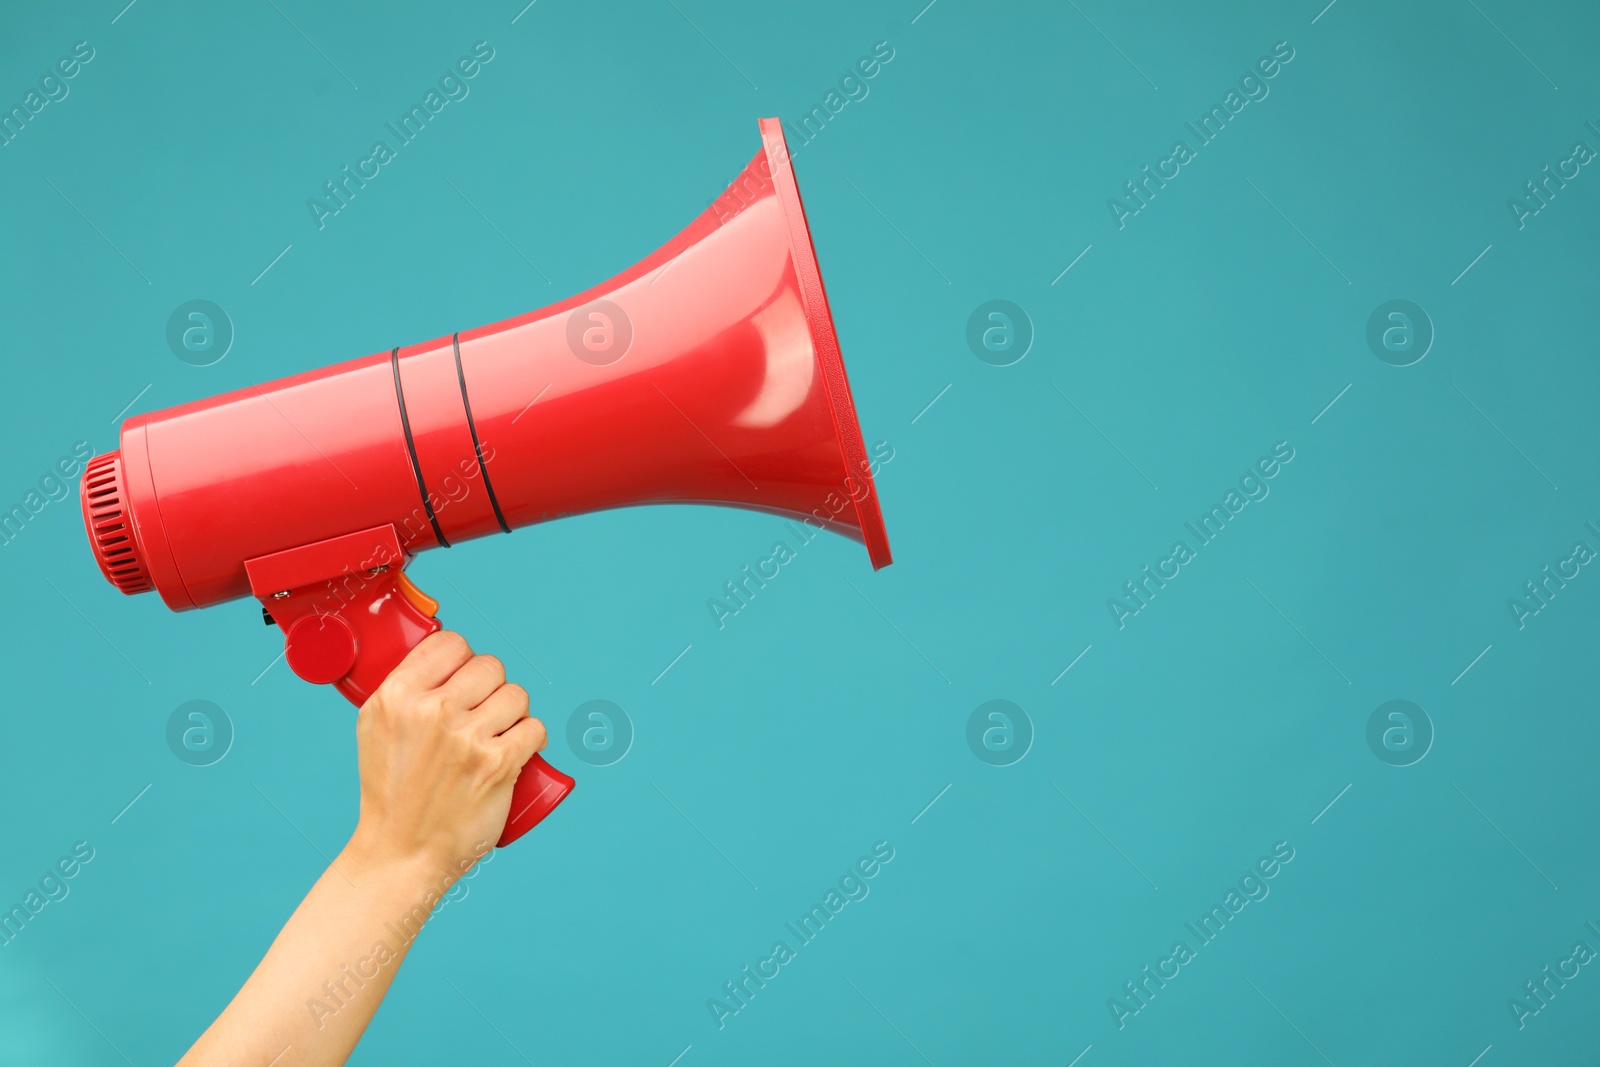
320 648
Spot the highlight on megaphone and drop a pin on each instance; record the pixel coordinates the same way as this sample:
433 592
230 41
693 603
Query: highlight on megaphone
707 373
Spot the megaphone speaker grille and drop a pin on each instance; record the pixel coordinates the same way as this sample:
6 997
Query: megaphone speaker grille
110 526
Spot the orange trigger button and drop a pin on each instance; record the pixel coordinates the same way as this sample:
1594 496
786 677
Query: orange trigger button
417 598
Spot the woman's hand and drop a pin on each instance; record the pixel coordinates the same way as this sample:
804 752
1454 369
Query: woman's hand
441 743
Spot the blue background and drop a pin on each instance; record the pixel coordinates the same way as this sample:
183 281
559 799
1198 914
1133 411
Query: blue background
1225 717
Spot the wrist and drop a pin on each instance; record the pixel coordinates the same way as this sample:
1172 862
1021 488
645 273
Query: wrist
369 856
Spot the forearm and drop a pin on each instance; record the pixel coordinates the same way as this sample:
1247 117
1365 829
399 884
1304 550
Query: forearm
313 994
440 744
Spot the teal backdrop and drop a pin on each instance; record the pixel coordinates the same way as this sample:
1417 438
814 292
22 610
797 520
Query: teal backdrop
1203 753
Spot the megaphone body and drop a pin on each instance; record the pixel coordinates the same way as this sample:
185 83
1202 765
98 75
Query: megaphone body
708 373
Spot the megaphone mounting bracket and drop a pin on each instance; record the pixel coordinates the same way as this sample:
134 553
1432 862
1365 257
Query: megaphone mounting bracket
348 612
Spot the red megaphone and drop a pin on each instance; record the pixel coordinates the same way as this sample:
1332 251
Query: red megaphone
708 373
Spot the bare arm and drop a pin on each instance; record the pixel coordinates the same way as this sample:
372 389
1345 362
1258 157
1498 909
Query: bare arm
441 744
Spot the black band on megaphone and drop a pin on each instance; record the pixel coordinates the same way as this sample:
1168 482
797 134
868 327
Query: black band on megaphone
455 343
411 449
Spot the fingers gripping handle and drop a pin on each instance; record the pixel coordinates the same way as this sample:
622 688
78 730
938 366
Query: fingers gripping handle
539 786
356 648
353 635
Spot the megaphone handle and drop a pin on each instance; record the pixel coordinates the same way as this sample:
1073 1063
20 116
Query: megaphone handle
539 786
356 638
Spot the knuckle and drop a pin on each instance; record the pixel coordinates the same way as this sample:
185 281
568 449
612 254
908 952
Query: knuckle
537 733
489 669
380 706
